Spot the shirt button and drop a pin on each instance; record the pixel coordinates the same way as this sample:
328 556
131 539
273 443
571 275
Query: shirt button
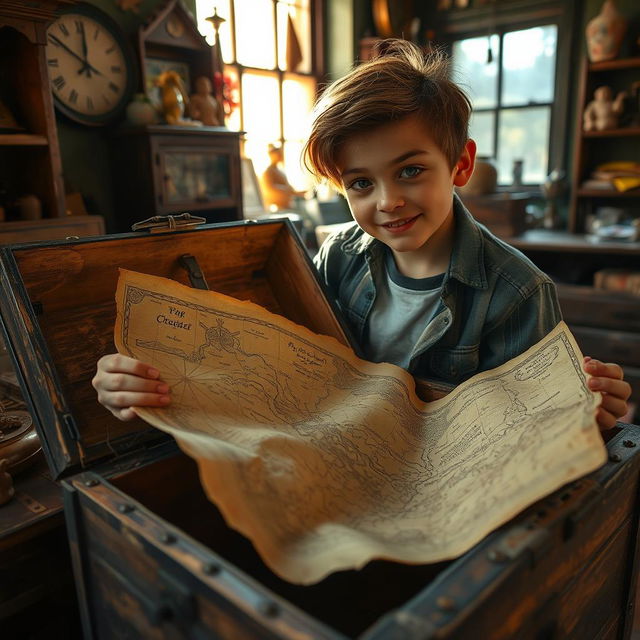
446 320
369 295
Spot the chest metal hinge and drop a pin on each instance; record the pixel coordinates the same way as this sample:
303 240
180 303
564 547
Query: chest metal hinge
521 540
196 276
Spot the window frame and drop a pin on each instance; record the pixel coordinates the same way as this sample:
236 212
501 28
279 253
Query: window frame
515 16
316 13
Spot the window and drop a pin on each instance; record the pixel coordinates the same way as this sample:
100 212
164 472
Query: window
257 39
511 78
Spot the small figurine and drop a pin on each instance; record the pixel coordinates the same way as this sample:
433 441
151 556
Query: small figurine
552 188
276 190
203 106
6 483
173 98
602 112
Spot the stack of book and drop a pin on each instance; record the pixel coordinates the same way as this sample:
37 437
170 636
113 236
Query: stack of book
617 280
621 176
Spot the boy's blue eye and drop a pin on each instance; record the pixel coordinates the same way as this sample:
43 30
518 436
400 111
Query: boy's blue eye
359 184
411 172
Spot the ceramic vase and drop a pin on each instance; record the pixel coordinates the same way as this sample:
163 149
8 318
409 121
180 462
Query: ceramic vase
483 180
140 111
605 32
30 207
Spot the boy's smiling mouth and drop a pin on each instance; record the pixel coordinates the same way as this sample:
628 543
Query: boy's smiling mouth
400 225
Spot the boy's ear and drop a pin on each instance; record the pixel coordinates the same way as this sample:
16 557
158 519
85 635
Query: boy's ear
464 167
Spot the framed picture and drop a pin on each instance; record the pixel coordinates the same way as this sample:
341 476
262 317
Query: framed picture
154 67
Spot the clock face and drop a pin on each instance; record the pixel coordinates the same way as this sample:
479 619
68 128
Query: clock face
88 67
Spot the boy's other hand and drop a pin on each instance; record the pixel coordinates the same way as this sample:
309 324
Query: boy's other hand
607 378
123 382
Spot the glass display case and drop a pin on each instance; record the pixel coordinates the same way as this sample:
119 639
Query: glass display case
195 177
164 170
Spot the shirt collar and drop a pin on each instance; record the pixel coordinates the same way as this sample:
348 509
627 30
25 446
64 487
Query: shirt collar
467 257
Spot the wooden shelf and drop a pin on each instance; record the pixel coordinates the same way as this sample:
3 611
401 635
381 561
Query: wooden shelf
22 140
611 65
562 241
607 193
612 133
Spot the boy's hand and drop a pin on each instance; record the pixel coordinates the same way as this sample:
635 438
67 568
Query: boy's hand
123 382
607 378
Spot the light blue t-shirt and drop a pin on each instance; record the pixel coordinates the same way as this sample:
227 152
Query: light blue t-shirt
400 315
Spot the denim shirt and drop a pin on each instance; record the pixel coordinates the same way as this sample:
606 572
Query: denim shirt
494 304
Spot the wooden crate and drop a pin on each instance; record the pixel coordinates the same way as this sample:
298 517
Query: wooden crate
154 559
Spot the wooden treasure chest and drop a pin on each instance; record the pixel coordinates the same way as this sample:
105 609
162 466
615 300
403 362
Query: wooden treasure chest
153 558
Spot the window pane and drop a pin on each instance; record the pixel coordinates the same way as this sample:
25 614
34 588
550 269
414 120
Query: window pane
481 128
255 33
261 103
524 135
297 176
529 62
300 17
261 110
204 9
474 72
298 94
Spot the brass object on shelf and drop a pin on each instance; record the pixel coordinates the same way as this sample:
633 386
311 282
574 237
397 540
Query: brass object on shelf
19 442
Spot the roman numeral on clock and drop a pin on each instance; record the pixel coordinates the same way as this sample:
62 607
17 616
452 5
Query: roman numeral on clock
52 62
59 82
78 26
114 87
64 29
89 103
73 96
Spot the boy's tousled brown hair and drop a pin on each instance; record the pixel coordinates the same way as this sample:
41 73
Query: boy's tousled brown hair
402 80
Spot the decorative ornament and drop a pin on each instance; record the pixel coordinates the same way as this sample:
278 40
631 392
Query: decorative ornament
129 5
605 33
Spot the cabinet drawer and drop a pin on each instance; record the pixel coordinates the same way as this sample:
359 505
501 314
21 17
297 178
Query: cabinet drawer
611 346
596 308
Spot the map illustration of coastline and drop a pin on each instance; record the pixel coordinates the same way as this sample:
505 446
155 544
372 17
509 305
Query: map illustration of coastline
326 461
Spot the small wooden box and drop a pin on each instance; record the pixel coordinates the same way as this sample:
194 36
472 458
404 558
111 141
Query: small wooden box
504 214
154 559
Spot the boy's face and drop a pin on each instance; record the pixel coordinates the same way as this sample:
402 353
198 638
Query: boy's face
400 190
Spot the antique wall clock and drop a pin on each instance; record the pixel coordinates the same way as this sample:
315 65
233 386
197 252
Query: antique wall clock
90 65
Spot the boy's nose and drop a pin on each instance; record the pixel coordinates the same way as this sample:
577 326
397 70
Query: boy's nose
389 201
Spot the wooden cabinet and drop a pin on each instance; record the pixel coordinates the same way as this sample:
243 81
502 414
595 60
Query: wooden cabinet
163 170
29 154
593 148
606 324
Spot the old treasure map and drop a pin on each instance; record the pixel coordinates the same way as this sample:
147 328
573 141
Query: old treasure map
325 461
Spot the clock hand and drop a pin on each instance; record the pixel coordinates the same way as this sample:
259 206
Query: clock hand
88 68
59 42
85 66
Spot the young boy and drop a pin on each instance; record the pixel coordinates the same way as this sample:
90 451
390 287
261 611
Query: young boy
419 282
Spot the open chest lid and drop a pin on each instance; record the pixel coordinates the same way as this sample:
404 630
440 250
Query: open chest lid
59 310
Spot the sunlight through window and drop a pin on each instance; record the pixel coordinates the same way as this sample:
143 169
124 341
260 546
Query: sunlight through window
259 40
